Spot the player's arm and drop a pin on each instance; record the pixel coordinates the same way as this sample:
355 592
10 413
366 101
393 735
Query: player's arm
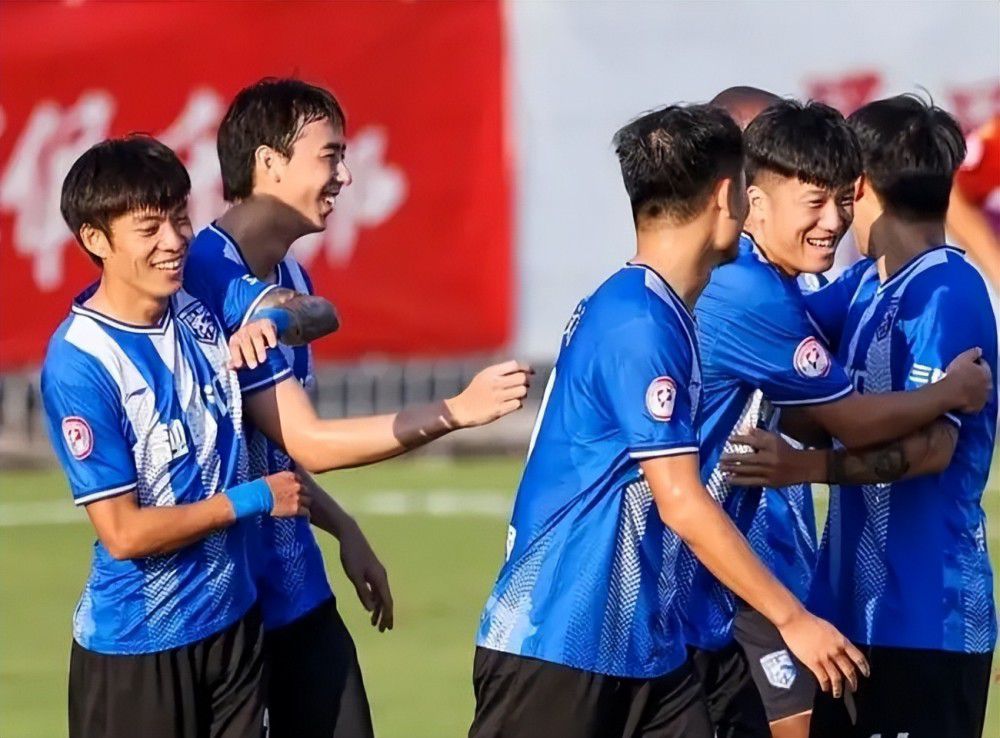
774 463
284 413
281 315
686 507
361 565
131 531
858 421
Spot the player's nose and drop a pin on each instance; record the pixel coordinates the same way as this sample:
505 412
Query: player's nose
344 175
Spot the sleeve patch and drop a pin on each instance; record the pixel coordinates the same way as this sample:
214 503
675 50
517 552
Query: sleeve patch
660 397
811 359
78 436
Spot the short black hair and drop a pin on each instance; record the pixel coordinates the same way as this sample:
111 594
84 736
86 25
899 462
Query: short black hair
911 150
672 158
119 176
271 113
808 141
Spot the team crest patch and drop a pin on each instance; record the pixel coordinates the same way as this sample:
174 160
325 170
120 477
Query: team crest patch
660 397
887 319
779 669
201 323
78 436
811 360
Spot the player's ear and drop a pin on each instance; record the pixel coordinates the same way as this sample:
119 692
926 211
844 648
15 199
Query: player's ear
268 163
861 188
95 241
757 196
723 191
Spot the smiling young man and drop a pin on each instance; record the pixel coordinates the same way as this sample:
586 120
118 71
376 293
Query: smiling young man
145 417
281 149
903 564
761 351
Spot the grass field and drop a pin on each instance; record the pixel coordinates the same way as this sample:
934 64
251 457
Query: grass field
438 526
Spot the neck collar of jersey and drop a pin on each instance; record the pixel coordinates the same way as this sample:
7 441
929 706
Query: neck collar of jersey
670 290
914 261
158 328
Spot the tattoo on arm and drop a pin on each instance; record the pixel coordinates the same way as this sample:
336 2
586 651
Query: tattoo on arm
312 316
918 453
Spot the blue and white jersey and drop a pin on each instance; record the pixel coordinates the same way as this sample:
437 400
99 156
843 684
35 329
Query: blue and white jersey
291 576
759 351
783 531
588 579
905 564
152 411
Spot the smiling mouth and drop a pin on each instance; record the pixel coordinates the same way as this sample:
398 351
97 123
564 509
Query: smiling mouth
169 266
822 243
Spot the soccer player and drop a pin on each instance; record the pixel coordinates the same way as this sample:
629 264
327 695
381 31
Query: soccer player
126 200
281 149
761 352
581 635
903 565
145 418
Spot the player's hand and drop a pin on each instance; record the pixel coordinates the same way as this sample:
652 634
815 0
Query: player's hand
290 497
972 380
825 650
368 576
771 462
248 346
496 391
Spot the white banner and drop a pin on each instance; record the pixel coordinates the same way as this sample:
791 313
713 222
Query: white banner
580 70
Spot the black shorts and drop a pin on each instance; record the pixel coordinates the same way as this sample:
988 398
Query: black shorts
210 688
518 697
785 684
734 704
912 692
315 688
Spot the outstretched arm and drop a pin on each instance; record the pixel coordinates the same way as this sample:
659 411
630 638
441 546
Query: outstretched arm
286 416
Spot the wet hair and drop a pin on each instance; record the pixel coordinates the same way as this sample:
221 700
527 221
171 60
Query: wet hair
671 159
808 141
271 112
911 151
117 176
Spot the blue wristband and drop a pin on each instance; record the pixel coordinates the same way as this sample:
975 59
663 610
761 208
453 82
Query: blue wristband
281 318
251 498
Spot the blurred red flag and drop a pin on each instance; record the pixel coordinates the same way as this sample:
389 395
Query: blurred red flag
417 255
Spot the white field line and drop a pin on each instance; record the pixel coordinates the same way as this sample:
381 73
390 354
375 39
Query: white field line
391 503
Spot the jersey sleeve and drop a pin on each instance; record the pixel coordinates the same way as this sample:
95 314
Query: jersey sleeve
227 286
939 322
272 371
643 372
827 306
87 427
771 344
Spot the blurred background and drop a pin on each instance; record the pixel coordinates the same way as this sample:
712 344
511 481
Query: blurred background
486 202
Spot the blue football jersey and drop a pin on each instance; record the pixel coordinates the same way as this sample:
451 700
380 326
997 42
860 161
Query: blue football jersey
291 577
905 564
155 410
783 531
588 578
760 352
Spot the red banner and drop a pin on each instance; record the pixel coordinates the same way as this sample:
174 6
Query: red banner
417 255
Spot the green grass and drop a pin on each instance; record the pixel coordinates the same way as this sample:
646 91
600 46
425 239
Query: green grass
441 568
